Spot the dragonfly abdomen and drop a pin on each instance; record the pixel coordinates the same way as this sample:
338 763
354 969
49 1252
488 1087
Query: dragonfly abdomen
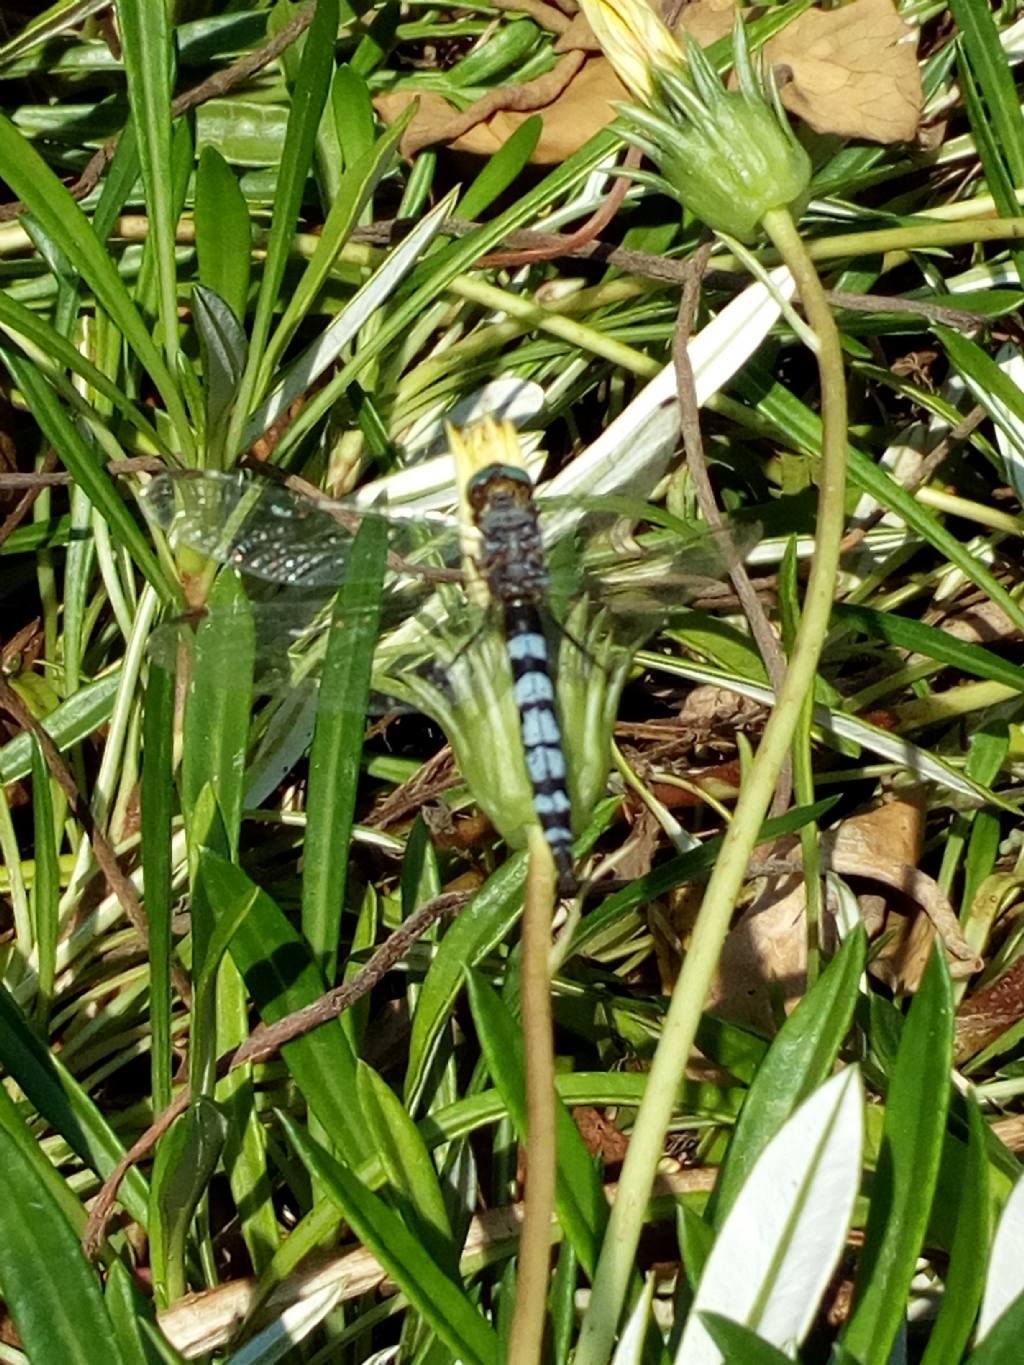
541 735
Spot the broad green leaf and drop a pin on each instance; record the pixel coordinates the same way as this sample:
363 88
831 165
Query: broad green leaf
477 929
51 1292
908 1166
1004 1283
965 1277
412 1179
17 1130
335 756
737 1342
353 114
1001 1345
217 714
223 232
186 1158
441 1301
779 1244
281 977
501 169
223 347
798 1061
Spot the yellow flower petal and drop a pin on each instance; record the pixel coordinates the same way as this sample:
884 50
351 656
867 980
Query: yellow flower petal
634 40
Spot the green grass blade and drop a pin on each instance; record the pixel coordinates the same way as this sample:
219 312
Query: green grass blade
50 1290
502 169
223 232
353 114
338 743
579 1196
979 38
156 815
149 76
919 638
476 931
354 193
308 98
908 1167
440 1300
798 425
16 1129
59 1098
46 883
798 1061
46 345
965 1278
73 721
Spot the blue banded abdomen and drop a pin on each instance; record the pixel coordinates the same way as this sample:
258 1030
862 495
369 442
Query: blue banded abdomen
541 736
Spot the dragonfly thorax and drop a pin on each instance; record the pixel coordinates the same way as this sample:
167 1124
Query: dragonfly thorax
511 544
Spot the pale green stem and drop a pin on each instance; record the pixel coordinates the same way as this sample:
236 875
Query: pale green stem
526 1338
646 1145
535 315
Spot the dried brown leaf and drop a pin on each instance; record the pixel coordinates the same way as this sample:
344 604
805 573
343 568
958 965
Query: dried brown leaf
852 71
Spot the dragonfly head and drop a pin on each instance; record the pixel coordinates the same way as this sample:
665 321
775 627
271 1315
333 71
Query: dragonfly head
498 485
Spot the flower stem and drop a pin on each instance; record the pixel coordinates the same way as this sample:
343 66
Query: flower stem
527 1334
646 1144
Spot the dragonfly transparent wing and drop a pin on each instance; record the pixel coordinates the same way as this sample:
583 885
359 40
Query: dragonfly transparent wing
641 582
269 531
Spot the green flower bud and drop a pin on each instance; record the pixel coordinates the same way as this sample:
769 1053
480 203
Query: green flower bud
730 156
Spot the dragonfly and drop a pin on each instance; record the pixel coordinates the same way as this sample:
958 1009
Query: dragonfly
602 599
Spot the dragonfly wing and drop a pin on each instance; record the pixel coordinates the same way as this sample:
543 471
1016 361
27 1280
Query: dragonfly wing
642 581
270 531
260 527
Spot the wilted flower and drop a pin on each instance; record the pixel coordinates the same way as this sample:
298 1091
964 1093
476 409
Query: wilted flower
634 40
730 156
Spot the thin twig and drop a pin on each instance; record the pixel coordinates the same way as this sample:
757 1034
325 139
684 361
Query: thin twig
40 479
520 99
693 444
933 461
589 232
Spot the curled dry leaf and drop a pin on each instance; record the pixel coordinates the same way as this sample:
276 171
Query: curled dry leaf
851 72
581 110
764 959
